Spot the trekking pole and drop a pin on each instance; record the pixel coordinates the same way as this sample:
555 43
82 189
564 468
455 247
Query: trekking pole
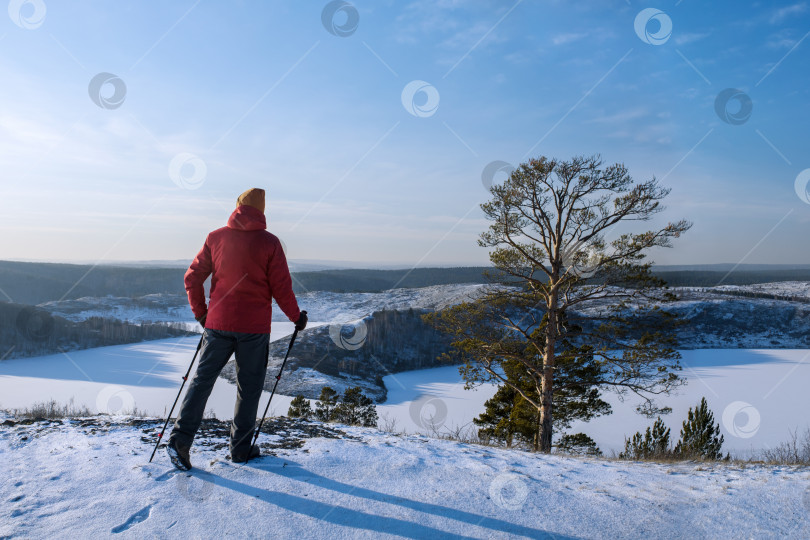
278 378
185 378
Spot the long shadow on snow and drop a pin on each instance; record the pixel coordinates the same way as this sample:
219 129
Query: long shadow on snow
296 472
352 517
338 515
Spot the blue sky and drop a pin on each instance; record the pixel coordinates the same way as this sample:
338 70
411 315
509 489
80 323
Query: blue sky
261 94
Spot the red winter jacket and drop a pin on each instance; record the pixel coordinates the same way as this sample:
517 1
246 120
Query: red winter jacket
248 270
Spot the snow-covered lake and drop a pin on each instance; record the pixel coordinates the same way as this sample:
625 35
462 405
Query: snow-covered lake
757 395
145 376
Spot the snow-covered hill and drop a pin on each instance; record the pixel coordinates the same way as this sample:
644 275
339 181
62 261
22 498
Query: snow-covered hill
357 354
321 305
767 315
90 478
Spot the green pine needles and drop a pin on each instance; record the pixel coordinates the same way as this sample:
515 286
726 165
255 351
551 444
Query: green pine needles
354 409
700 439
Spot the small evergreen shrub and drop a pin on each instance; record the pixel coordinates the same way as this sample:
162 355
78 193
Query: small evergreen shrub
300 407
579 444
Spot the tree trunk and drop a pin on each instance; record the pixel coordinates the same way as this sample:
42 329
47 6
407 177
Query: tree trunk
545 431
547 381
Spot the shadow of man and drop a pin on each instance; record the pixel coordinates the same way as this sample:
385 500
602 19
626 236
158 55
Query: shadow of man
348 517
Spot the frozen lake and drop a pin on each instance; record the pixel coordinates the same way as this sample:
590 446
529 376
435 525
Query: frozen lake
144 375
757 395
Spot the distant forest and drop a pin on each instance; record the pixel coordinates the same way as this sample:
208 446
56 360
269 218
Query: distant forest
35 283
711 278
383 280
29 331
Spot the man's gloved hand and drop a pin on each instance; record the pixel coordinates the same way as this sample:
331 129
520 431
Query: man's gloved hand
201 319
301 323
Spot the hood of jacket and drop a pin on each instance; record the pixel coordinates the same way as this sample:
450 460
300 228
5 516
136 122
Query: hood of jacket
247 218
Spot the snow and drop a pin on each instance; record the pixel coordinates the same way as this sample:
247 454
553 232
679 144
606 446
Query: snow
799 289
76 480
144 376
320 305
427 400
73 481
758 395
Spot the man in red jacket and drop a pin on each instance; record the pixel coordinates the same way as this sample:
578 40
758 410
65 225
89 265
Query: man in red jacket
248 270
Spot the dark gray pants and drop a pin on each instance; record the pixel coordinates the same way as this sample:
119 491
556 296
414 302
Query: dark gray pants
251 366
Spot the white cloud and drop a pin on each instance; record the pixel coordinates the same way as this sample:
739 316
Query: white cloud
458 24
619 117
684 39
562 39
783 13
781 40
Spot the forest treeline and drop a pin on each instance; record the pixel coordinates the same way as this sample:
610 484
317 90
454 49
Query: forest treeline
35 283
711 278
30 331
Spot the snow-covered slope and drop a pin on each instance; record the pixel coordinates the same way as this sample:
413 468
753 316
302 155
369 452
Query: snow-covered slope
90 478
356 354
767 315
320 305
793 289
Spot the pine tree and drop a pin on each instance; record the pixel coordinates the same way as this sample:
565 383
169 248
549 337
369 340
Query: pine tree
659 438
548 223
300 407
325 408
509 415
356 409
578 443
654 443
700 437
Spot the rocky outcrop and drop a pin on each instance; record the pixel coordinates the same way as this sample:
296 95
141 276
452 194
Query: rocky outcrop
355 353
363 351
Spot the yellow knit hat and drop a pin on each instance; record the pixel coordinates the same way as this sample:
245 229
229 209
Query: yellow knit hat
253 197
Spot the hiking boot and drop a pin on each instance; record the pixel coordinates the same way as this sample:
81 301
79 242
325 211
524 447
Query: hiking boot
242 458
178 453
